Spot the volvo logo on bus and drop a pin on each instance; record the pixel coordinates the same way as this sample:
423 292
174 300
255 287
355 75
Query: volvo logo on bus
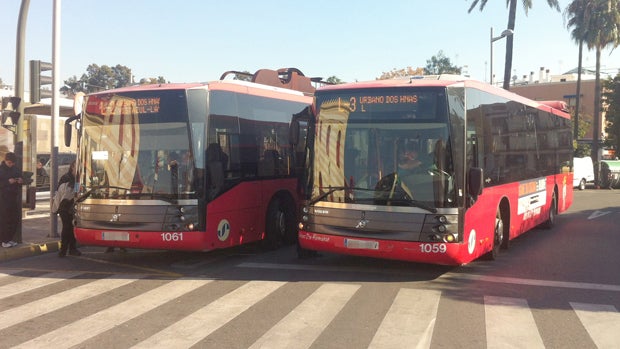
363 221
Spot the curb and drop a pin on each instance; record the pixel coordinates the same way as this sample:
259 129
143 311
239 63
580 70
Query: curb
28 250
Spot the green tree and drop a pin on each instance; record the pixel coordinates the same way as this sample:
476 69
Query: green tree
597 24
583 125
243 76
574 14
397 73
512 14
440 64
99 78
149 81
612 117
334 80
104 77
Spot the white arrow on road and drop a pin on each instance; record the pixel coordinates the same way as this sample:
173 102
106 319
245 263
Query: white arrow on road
597 214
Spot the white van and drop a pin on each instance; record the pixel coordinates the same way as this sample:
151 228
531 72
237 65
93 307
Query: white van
583 172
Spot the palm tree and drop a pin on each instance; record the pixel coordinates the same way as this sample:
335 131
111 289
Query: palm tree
512 14
597 24
577 15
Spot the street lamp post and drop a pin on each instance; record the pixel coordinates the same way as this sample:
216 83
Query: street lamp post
504 34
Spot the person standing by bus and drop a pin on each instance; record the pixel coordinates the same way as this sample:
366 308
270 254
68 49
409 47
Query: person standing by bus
65 210
10 189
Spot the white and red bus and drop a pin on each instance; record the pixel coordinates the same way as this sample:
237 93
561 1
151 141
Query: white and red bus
431 170
195 166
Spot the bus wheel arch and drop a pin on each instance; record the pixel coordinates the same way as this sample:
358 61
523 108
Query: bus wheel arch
280 221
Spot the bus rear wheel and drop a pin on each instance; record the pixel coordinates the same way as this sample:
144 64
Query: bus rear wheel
550 222
280 224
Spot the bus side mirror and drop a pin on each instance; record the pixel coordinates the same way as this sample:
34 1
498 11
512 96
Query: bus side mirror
68 129
475 182
68 134
294 129
293 132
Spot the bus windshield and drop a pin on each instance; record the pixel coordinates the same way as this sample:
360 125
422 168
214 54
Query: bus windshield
383 147
137 145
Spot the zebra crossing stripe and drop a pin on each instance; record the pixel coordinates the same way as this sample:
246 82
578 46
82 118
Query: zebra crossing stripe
601 321
300 328
410 320
32 283
48 304
198 325
7 273
510 324
88 327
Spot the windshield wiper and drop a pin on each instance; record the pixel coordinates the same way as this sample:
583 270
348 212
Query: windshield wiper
332 190
98 187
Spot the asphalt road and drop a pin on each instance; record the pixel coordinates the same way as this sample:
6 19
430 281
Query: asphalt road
555 288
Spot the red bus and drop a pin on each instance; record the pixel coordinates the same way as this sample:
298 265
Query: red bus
196 166
431 170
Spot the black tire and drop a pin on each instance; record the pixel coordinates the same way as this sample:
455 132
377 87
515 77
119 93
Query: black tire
553 210
498 236
582 184
280 224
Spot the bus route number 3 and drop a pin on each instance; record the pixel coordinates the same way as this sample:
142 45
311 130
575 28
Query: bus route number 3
171 236
433 248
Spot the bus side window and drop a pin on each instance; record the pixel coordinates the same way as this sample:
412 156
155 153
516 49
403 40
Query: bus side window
270 164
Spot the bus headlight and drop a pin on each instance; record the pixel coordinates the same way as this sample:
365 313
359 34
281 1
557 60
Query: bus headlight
440 228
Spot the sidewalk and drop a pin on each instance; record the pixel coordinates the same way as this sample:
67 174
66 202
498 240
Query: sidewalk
36 228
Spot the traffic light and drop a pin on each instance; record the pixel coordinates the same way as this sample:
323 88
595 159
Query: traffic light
10 110
37 81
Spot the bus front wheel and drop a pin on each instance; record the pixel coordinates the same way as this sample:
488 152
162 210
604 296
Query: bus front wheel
498 236
280 224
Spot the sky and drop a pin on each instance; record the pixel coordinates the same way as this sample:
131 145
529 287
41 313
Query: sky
354 40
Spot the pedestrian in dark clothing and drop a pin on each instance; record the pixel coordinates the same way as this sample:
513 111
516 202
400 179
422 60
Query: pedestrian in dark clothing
65 210
10 208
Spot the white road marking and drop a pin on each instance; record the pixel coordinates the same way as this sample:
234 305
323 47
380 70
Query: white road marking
409 322
32 283
198 325
300 328
100 322
447 276
601 321
510 324
48 304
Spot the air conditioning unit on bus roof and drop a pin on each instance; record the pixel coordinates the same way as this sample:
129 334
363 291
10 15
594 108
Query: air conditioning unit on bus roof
448 77
287 78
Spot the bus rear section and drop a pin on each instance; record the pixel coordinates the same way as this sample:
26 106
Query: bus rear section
432 171
192 167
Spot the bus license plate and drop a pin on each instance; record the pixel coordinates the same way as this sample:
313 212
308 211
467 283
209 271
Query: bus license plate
361 244
115 236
